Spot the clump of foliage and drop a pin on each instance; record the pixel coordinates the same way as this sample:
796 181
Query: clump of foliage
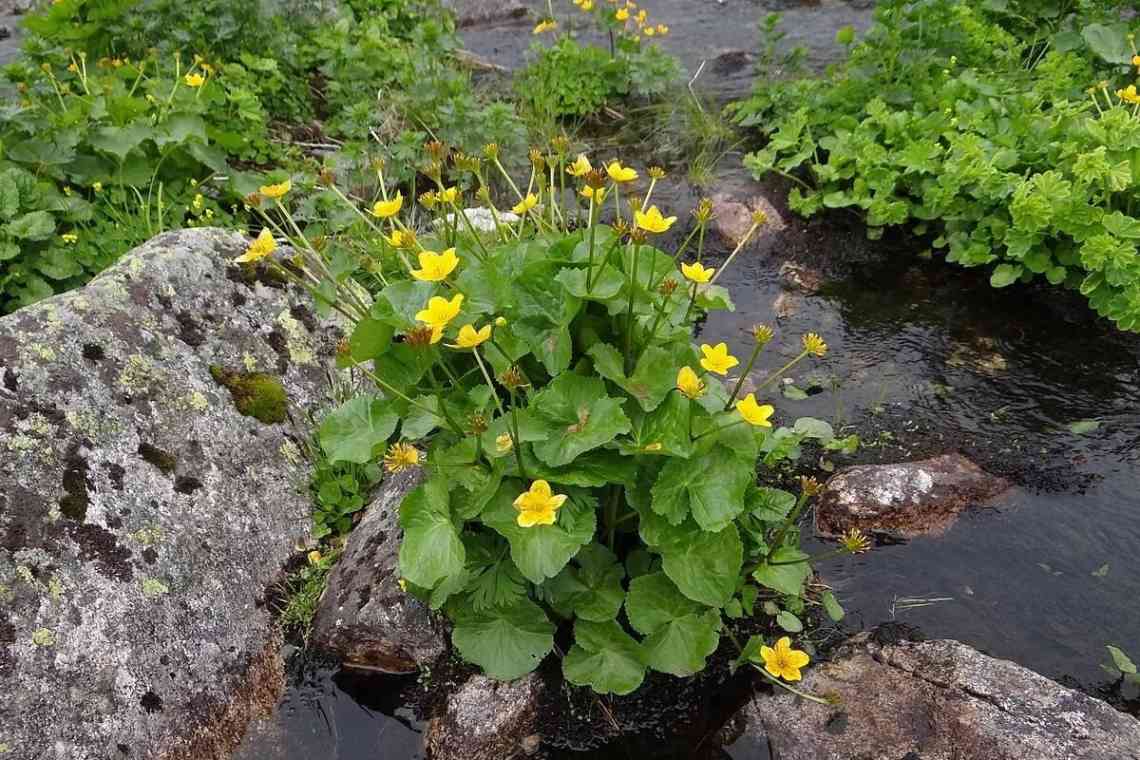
339 491
1124 670
302 590
569 79
1007 132
132 117
585 464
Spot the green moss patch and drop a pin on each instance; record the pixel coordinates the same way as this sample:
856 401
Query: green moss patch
255 394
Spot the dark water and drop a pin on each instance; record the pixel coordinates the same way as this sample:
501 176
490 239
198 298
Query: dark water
925 359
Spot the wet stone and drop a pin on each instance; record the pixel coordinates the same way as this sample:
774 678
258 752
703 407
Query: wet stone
486 12
934 700
907 499
487 720
365 618
139 526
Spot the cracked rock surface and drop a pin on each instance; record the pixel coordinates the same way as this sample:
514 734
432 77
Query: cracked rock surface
934 700
142 516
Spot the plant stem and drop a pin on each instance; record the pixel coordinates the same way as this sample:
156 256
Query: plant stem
590 262
747 369
634 248
442 406
471 228
487 377
515 434
775 375
743 241
388 388
793 690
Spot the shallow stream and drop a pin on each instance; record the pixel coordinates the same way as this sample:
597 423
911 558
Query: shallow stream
925 359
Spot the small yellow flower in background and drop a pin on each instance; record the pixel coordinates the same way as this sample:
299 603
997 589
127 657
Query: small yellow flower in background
435 267
622 14
538 506
262 246
397 238
814 344
653 221
753 413
855 541
449 195
67 190
194 80
401 456
642 15
504 443
546 25
276 191
72 67
500 321
198 202
689 384
580 167
662 30
1136 60
469 337
697 272
403 584
619 173
597 194
439 312
1129 94
314 557
783 661
656 172
388 208
97 187
525 205
717 358
70 238
429 199
650 31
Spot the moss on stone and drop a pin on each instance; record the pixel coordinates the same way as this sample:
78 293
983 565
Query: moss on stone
255 394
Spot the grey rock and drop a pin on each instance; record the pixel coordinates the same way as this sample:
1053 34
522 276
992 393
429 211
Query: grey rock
364 617
142 517
733 212
935 700
487 720
486 12
907 499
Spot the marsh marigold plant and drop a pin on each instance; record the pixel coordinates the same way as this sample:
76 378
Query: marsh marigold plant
585 464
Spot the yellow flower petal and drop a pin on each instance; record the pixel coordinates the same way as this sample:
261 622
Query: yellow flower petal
435 267
580 167
276 191
697 272
525 205
689 384
653 221
262 246
717 359
619 173
390 207
469 337
439 312
753 413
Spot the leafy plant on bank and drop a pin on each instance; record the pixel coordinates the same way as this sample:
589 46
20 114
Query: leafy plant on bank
981 131
585 464
1124 670
569 79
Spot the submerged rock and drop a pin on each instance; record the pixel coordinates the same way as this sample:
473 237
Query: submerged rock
486 12
364 617
907 499
487 720
934 700
142 515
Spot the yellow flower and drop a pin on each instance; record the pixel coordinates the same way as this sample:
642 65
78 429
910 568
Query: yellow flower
855 541
403 584
69 237
650 31
656 172
469 337
1129 94
438 313
1136 60
642 15
449 195
538 506
194 80
689 384
97 187
653 447
401 456
397 237
653 221
580 167
662 30
717 359
504 443
597 194
619 173
390 207
314 557
813 344
276 191
500 321
697 272
435 266
429 199
261 247
753 413
526 204
622 14
783 661
546 25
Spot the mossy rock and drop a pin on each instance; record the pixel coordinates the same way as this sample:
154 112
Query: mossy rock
256 394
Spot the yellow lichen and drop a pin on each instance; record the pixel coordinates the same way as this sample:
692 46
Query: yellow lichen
290 452
250 362
55 588
137 374
195 400
154 587
47 353
296 339
43 637
148 536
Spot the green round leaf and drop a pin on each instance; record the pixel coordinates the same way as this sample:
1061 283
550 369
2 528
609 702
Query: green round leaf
605 658
505 642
